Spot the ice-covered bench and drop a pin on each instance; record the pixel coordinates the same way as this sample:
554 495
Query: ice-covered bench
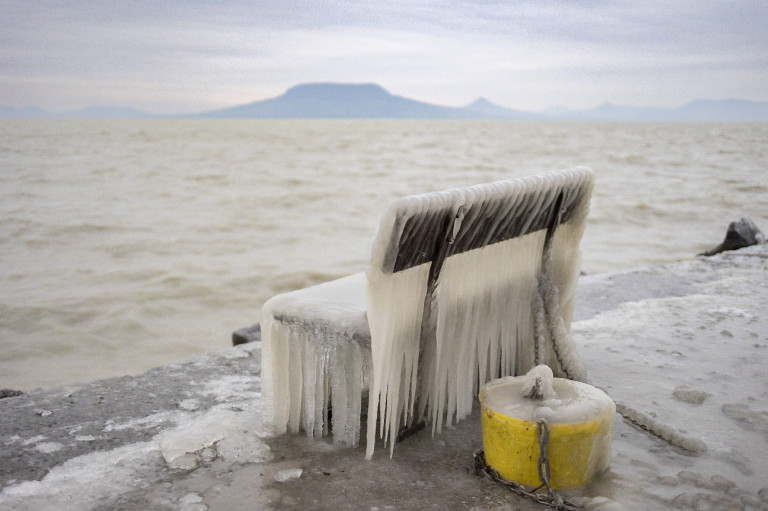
454 296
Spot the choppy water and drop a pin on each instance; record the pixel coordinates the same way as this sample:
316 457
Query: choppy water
129 244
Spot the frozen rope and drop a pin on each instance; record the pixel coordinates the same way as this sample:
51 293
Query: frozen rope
539 331
535 392
548 319
548 313
663 431
545 499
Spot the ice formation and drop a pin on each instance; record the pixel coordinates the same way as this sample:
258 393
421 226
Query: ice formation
537 383
457 284
316 355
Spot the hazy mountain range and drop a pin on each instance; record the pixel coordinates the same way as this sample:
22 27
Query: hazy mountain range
371 101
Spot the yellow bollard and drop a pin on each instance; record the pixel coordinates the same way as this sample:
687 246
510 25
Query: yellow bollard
579 418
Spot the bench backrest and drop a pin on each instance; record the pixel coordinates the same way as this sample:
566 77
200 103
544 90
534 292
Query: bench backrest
493 212
451 288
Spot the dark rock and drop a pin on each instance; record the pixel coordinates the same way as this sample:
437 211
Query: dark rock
246 335
4 393
743 233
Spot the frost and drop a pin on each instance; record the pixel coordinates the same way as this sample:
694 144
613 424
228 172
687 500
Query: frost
231 387
179 446
189 404
243 448
191 498
192 502
48 447
34 439
142 422
89 477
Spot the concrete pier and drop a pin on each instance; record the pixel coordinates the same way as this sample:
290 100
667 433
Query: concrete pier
684 345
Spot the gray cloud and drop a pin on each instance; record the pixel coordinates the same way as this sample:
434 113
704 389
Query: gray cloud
192 55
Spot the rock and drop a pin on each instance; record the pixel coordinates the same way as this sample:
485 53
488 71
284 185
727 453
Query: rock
4 393
246 335
743 233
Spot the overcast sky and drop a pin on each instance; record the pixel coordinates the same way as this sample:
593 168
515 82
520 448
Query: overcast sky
188 56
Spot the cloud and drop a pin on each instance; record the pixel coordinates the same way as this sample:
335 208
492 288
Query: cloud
192 55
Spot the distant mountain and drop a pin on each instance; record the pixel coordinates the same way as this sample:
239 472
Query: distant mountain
698 110
371 101
723 110
362 101
108 112
341 101
27 111
606 112
485 108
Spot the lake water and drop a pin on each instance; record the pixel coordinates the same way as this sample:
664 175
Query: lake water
127 244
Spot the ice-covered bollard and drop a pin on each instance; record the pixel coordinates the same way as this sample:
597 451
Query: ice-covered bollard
579 418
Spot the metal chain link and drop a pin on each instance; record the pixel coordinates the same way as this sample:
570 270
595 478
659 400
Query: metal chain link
542 465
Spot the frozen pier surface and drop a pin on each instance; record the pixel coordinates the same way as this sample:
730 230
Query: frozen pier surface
685 344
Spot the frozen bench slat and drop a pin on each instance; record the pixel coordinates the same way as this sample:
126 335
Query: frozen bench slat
491 221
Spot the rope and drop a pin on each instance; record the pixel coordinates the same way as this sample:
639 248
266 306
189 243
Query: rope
664 432
539 329
548 320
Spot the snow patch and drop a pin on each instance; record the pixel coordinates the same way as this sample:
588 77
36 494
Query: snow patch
82 482
48 447
288 474
233 387
234 435
142 422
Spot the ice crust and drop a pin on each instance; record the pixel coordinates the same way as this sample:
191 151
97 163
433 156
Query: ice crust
230 430
571 402
325 345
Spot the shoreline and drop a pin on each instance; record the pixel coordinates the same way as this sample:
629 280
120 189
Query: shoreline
187 436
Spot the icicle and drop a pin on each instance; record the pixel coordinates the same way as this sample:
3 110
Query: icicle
481 313
315 354
487 306
399 296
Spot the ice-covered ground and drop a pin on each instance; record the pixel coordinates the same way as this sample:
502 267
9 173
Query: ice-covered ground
688 350
685 345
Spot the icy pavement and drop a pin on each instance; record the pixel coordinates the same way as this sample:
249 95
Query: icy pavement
689 351
684 344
